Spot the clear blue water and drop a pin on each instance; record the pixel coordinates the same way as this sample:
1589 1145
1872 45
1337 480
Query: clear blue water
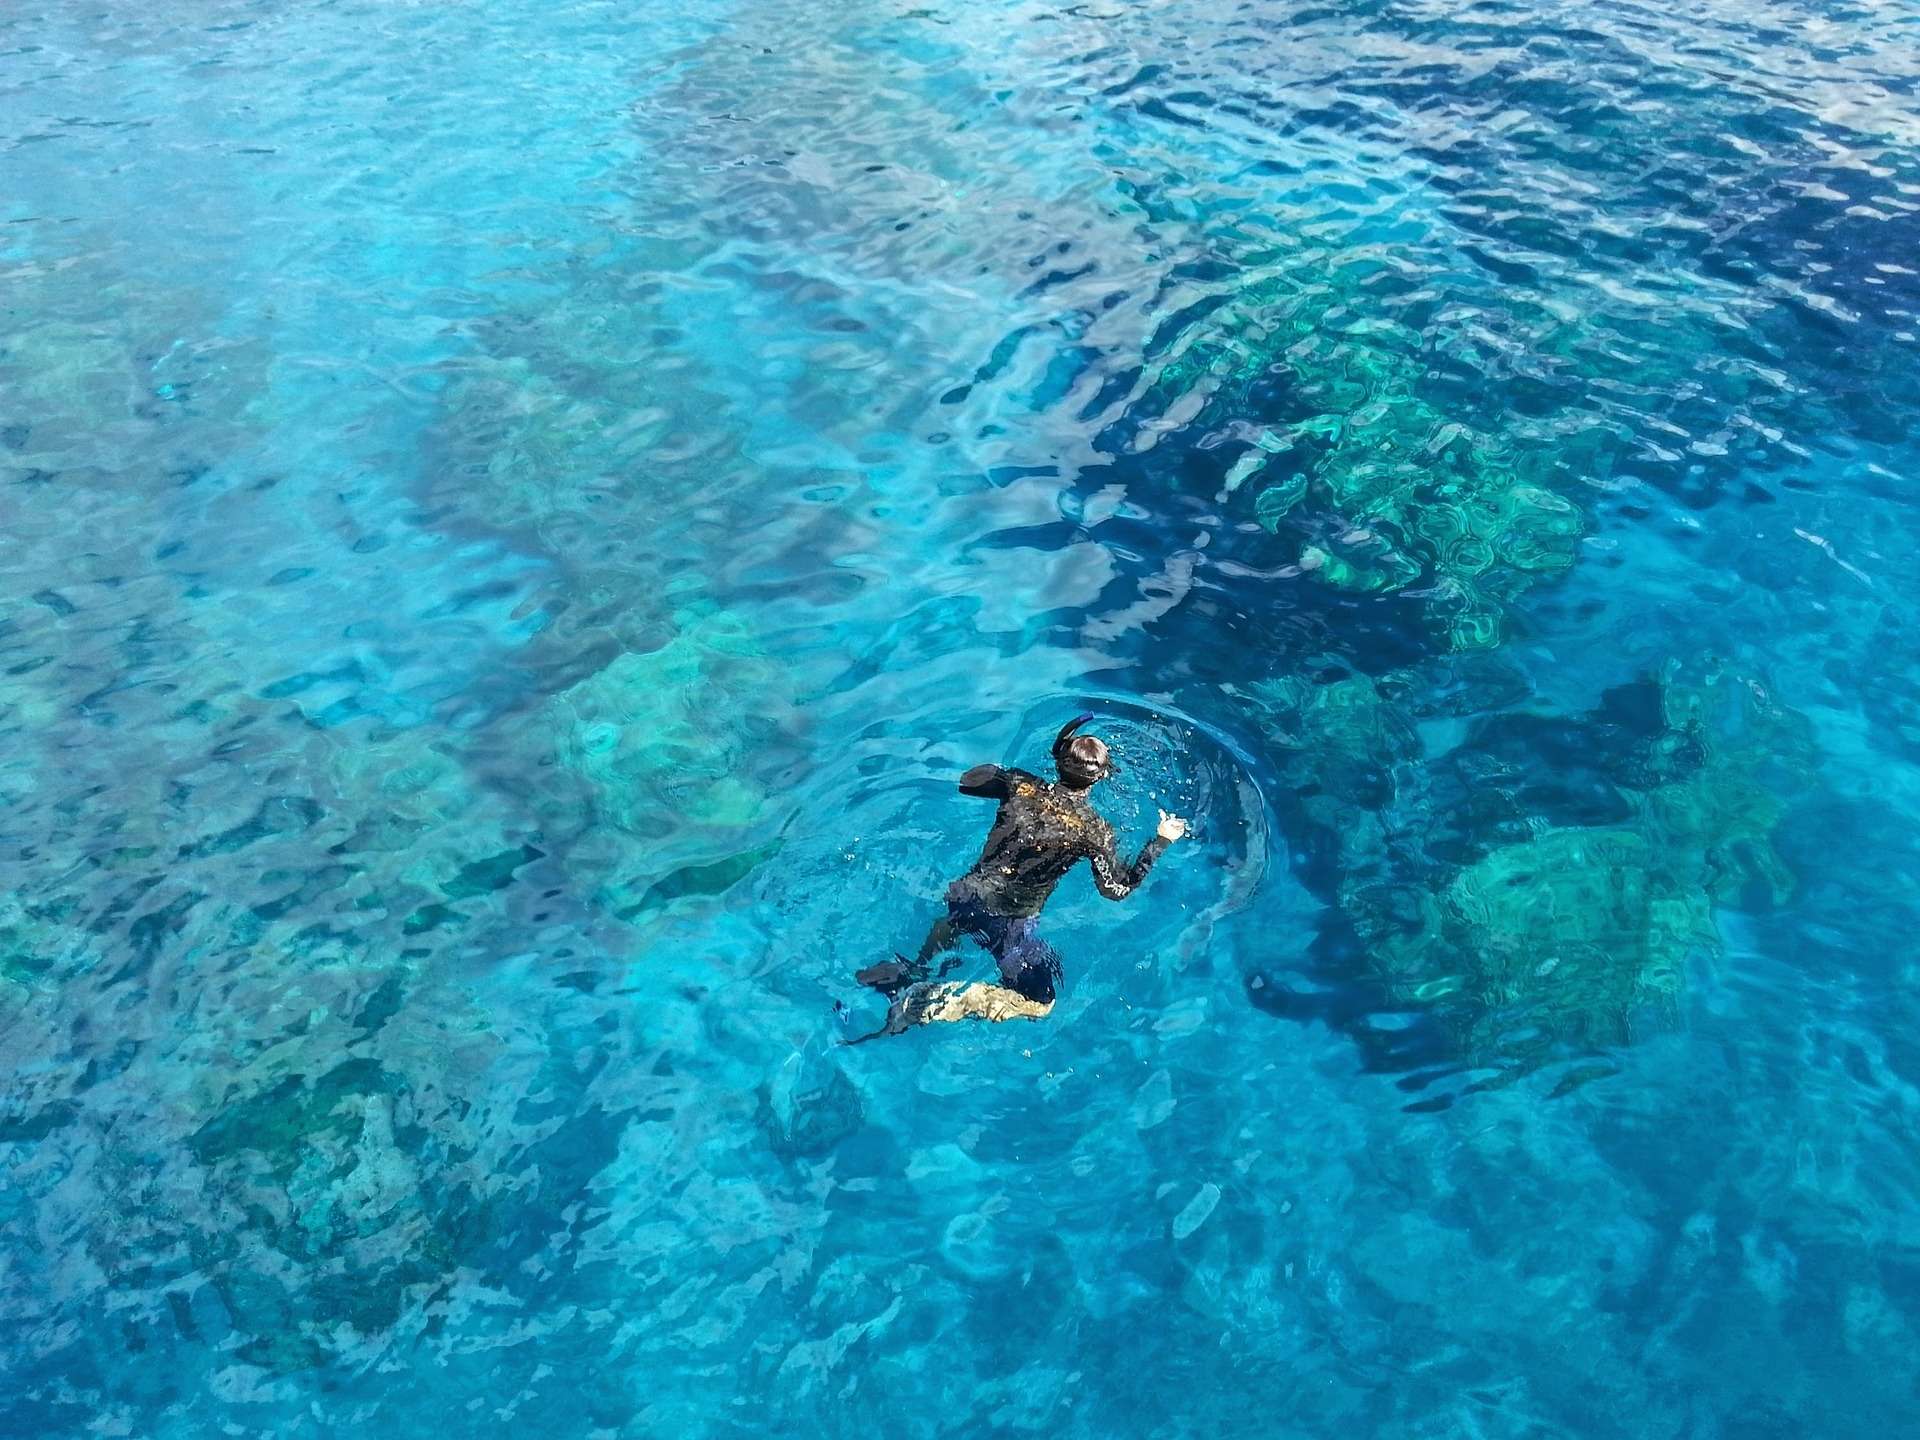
514 515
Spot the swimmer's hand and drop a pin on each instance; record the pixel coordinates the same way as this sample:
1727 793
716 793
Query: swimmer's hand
1172 827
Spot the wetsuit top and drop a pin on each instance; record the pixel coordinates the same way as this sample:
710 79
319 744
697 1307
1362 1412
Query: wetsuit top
1041 832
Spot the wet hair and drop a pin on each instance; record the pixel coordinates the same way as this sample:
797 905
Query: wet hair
1081 759
1084 761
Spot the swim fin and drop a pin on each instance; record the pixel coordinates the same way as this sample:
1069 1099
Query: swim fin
890 977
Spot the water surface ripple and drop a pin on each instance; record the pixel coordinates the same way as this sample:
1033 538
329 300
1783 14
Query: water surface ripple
516 513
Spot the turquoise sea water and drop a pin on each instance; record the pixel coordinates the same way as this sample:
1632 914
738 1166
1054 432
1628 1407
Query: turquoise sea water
513 515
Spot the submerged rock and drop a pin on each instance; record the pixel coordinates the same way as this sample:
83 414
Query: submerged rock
1578 936
1342 437
1522 922
664 745
807 1111
661 733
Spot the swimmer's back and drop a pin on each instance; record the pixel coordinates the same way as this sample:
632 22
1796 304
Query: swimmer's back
1040 832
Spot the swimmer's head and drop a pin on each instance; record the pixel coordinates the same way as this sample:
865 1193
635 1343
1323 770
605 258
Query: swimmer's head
1082 760
1085 762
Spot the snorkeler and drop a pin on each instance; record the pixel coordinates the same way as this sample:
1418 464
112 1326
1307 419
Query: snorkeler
1041 831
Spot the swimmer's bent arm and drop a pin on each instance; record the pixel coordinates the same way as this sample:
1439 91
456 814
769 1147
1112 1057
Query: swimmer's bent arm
1116 879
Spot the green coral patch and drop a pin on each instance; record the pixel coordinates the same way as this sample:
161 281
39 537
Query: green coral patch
1529 942
1578 934
658 735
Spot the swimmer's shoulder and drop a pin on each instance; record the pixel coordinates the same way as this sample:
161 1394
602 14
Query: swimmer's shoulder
997 782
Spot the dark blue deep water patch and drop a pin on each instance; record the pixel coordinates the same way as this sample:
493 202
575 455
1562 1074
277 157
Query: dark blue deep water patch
515 515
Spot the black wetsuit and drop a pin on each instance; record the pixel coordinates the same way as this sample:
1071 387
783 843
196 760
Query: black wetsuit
1041 832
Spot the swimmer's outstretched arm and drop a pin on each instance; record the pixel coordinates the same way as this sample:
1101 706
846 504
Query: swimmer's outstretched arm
1116 879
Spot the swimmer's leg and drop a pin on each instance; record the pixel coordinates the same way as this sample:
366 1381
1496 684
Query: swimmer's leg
1028 965
943 1003
890 977
902 1015
941 938
887 1029
980 1002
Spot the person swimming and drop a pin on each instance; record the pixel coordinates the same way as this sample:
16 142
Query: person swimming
1040 832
